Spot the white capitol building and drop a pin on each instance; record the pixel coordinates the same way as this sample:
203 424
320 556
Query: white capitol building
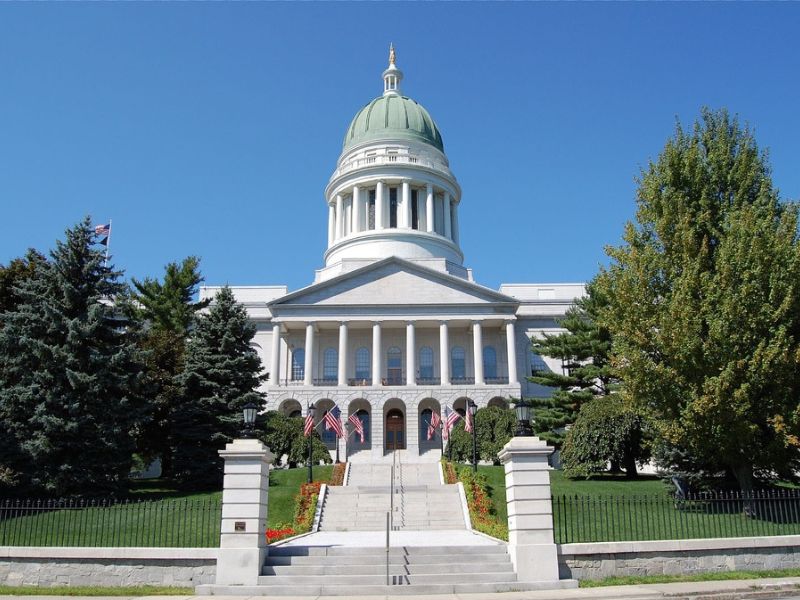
394 326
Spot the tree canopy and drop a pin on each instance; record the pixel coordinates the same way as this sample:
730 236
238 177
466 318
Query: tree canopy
704 307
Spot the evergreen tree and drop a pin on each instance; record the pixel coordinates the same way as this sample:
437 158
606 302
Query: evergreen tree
584 350
69 374
168 312
704 307
14 274
222 373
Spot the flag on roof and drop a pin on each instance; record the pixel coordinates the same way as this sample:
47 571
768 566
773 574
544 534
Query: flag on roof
433 425
333 422
359 426
102 229
308 426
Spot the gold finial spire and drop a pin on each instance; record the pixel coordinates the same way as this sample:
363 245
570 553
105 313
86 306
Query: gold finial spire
392 55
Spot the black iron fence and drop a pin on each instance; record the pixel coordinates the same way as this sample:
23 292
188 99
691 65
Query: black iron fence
664 517
172 523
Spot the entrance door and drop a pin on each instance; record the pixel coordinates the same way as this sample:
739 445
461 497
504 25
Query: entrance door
395 430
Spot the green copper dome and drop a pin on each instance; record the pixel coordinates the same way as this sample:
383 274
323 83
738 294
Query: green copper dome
393 117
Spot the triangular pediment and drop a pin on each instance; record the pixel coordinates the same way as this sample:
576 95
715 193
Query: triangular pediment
393 282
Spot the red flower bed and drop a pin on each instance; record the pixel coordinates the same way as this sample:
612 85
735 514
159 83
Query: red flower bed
283 531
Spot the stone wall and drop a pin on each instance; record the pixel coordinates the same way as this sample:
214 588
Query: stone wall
47 567
617 559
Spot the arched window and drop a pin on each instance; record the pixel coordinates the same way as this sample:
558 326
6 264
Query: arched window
489 362
328 434
298 364
426 362
355 440
330 364
362 363
424 422
295 414
394 366
458 367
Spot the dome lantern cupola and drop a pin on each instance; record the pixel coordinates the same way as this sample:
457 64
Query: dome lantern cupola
392 193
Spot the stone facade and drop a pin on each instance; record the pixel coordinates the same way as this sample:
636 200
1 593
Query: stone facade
619 559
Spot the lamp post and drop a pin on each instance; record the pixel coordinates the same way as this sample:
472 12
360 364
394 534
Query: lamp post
312 411
249 411
473 409
523 409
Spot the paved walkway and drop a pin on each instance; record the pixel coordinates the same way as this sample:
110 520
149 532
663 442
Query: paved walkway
784 588
362 539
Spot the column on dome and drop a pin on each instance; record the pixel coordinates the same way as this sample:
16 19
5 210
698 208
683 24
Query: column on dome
477 351
308 368
380 193
429 218
357 212
339 217
275 359
511 348
376 354
411 344
446 211
444 354
455 223
348 216
405 222
342 374
331 224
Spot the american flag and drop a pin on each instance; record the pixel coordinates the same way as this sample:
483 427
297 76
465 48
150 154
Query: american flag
468 421
102 229
433 425
332 421
308 426
359 426
450 418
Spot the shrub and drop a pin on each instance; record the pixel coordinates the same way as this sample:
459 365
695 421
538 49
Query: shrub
337 477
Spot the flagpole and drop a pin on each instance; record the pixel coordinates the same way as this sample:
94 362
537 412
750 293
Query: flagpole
108 243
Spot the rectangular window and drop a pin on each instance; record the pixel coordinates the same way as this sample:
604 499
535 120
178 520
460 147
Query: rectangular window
371 210
393 207
414 210
438 216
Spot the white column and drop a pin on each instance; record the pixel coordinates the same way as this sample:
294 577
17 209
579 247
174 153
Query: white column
411 363
444 354
339 217
331 224
455 223
447 228
511 350
245 493
530 511
429 219
275 361
477 352
356 227
379 199
406 212
342 354
376 354
308 378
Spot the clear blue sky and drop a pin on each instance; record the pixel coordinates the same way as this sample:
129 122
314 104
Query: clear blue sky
212 128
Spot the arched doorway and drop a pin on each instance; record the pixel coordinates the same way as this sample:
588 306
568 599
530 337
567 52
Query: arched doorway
395 430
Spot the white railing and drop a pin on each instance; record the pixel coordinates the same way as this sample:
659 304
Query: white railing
393 159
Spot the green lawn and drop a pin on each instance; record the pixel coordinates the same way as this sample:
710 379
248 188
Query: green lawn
157 515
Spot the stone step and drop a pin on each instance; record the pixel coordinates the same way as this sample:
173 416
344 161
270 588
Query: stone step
421 568
381 590
379 558
451 551
401 578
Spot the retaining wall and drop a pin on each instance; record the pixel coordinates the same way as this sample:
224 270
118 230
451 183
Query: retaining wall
611 559
47 567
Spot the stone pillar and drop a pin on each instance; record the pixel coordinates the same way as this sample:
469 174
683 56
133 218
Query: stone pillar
243 543
530 512
376 354
356 227
411 354
412 430
406 212
275 359
444 354
331 224
342 354
448 232
429 218
477 352
511 350
339 217
379 200
308 375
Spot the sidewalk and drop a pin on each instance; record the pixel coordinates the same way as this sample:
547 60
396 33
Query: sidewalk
783 588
